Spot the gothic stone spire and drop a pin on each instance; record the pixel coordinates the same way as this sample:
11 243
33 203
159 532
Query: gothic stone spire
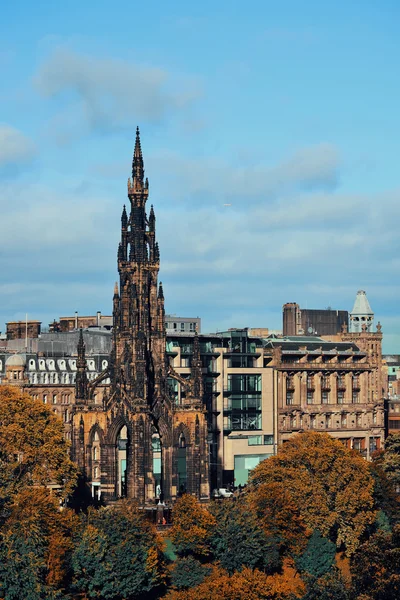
81 382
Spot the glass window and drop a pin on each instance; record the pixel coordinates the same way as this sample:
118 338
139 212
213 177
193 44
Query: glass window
289 397
244 464
325 397
340 397
255 440
310 397
268 440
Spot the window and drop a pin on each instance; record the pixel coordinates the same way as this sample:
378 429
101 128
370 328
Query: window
340 382
175 326
255 440
96 472
340 397
54 398
244 383
95 453
356 397
344 421
310 382
182 326
289 398
290 382
44 398
310 397
325 397
244 464
374 444
268 440
326 382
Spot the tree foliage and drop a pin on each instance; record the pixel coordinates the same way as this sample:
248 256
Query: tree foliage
329 587
237 539
118 555
33 449
376 566
246 584
187 572
35 547
192 527
390 460
330 486
318 557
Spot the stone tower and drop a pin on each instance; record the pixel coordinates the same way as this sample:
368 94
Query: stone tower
138 443
361 317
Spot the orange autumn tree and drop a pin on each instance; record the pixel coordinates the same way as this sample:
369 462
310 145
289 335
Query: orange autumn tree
247 584
33 449
330 485
192 527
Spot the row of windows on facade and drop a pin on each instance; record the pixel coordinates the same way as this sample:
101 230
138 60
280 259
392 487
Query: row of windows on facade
55 398
322 422
50 364
182 326
58 378
326 397
325 381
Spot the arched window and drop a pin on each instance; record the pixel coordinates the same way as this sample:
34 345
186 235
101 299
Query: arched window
95 453
54 398
96 472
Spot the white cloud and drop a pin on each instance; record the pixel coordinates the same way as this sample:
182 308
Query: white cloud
109 94
215 179
15 147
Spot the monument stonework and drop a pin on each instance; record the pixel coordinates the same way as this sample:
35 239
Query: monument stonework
138 443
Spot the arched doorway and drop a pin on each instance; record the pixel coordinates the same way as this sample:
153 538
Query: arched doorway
122 447
182 465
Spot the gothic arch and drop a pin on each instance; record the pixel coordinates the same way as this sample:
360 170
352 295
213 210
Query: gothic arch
96 429
182 429
116 427
164 432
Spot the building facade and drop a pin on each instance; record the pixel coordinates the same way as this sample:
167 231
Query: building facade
335 386
306 321
153 408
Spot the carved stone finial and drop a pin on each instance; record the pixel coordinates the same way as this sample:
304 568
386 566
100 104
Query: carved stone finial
379 327
344 328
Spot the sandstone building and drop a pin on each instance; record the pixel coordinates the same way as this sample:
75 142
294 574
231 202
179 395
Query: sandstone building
152 407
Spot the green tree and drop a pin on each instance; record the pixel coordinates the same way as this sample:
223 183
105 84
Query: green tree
118 555
329 587
238 541
33 449
187 572
375 567
318 556
390 460
330 485
35 547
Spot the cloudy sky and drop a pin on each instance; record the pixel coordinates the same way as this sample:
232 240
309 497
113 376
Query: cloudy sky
287 111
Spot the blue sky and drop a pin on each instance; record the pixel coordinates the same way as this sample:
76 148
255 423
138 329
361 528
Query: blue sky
287 111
